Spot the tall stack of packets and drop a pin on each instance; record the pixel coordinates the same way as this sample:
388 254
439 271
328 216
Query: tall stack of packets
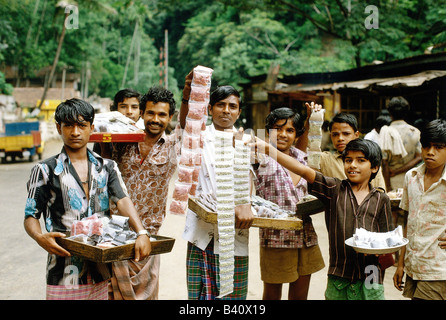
315 138
224 174
192 140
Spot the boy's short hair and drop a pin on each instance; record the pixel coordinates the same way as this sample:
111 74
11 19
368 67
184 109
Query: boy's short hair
382 120
124 94
158 94
433 132
70 110
285 114
369 148
222 92
398 108
347 118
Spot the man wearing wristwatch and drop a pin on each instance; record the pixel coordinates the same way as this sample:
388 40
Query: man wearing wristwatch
146 169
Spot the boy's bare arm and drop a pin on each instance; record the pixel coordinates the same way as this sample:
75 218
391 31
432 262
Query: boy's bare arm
399 272
185 100
286 161
302 142
46 240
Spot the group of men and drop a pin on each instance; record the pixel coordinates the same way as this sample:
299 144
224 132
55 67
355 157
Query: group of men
134 179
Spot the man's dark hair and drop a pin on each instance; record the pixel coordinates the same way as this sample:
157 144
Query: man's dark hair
70 110
223 92
158 94
381 121
433 132
398 108
285 114
124 94
369 148
344 118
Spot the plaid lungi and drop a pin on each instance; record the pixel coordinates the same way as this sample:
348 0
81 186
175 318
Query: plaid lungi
203 275
90 291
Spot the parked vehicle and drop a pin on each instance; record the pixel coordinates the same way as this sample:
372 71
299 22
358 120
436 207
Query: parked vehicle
21 140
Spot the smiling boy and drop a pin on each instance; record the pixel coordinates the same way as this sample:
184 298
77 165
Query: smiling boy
286 256
343 129
349 204
424 197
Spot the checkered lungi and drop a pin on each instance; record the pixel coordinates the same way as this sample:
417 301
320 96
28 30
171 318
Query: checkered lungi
203 276
90 291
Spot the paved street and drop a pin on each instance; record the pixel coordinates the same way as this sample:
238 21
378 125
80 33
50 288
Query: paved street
22 272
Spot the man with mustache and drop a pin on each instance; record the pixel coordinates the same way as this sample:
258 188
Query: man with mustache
146 168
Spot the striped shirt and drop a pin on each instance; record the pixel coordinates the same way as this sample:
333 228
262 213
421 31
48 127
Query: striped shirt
342 216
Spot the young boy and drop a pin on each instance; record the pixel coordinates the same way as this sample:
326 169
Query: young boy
126 101
286 256
343 129
349 204
424 197
70 186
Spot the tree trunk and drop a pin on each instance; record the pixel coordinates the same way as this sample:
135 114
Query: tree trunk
56 60
271 79
129 54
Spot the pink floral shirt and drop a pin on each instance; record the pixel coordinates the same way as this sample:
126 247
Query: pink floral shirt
147 180
274 183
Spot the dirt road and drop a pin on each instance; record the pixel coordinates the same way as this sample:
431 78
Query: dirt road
22 276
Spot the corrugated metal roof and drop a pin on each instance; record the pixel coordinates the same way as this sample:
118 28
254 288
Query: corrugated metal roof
413 80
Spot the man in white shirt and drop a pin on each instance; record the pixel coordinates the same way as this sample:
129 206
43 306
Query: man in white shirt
203 241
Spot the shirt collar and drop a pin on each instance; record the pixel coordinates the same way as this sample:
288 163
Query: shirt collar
63 157
338 154
421 170
211 130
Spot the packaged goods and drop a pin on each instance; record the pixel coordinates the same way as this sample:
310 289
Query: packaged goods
114 121
189 154
378 240
315 138
103 231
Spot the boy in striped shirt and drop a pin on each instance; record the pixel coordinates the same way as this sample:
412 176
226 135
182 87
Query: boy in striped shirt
349 204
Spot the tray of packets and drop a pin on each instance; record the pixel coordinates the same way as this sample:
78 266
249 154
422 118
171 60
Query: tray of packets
115 127
266 213
107 240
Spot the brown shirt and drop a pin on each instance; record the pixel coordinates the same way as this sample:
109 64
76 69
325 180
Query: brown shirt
342 216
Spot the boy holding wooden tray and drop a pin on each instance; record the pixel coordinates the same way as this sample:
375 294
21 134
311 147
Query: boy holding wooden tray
72 185
286 256
351 203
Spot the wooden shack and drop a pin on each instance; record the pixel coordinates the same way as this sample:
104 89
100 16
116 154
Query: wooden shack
363 91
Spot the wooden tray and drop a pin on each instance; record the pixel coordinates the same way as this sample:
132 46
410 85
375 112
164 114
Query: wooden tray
118 253
117 137
204 213
395 203
310 207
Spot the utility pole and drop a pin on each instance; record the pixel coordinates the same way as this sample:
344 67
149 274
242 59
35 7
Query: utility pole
166 59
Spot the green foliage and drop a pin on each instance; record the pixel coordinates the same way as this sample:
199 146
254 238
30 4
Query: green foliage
5 88
238 39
